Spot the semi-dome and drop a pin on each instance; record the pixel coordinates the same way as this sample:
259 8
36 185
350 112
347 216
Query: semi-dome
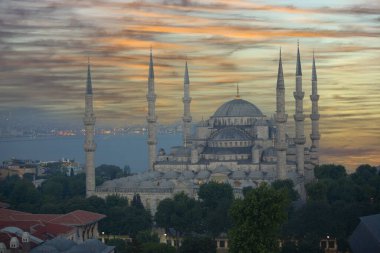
230 133
238 108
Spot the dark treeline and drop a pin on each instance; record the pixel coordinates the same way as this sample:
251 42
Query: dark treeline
335 201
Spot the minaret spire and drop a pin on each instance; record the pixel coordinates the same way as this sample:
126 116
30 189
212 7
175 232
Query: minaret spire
89 82
237 91
89 143
186 109
151 119
281 119
314 116
299 68
299 118
280 74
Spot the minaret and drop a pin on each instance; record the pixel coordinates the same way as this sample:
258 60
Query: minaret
89 144
186 109
314 116
151 119
281 118
299 117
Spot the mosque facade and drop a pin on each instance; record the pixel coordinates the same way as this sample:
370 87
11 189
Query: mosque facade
238 144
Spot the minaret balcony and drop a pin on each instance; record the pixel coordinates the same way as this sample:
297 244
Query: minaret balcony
299 95
315 136
151 119
151 97
89 147
299 140
89 121
315 116
314 98
186 100
299 117
281 118
152 142
187 119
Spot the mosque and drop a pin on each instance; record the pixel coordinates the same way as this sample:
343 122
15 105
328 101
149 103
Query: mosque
238 144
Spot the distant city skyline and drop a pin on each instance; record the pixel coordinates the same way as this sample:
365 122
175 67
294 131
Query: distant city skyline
44 47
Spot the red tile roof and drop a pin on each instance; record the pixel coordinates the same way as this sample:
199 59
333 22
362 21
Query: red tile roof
75 218
6 214
78 218
40 229
47 226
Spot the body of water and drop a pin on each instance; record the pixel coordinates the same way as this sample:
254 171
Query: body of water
111 149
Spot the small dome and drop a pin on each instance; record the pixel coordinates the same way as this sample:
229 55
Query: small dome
187 174
255 174
239 174
165 184
94 245
44 249
60 243
238 108
14 243
2 246
25 237
230 133
222 169
162 151
170 175
148 184
179 151
203 174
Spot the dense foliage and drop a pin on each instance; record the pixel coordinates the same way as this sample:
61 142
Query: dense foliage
198 244
335 201
62 194
257 220
334 204
208 215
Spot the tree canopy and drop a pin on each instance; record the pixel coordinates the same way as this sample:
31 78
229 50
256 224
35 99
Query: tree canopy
257 219
198 244
181 213
216 200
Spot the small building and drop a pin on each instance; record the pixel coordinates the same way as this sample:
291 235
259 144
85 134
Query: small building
77 226
366 236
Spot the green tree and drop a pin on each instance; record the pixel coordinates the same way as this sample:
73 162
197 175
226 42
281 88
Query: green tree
53 189
157 248
7 185
330 171
120 245
124 219
115 200
146 236
257 220
216 200
317 191
108 172
181 213
127 170
198 244
24 196
136 201
286 185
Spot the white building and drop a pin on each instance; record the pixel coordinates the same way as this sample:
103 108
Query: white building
238 144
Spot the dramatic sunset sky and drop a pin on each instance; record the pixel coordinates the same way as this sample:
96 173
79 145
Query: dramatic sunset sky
44 46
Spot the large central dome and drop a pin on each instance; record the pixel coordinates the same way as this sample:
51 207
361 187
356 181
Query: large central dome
238 108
